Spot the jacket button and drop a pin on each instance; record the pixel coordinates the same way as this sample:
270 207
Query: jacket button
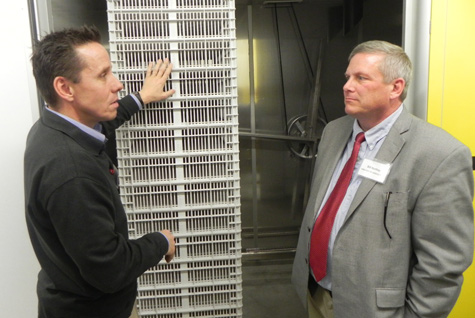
306 261
309 229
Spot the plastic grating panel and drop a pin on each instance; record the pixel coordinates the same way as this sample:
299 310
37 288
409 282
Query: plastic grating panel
200 301
179 159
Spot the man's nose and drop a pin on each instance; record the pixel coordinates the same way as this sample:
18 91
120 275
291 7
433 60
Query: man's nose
347 85
117 86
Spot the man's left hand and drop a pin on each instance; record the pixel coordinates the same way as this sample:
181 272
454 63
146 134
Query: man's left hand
153 88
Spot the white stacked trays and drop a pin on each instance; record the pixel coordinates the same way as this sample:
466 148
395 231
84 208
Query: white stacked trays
179 159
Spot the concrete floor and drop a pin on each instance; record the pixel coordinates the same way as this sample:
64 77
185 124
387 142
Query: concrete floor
268 292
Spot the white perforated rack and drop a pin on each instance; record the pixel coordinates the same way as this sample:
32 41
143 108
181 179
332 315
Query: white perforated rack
179 159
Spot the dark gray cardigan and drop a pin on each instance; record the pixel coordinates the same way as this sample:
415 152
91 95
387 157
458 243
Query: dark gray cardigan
77 224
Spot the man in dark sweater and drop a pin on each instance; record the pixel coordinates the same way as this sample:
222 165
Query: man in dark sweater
76 221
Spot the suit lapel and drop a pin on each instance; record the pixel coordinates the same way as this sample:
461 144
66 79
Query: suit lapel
389 150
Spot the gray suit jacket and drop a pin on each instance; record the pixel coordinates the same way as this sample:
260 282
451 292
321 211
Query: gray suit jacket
417 272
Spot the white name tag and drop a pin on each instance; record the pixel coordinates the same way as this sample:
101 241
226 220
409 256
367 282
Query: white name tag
375 170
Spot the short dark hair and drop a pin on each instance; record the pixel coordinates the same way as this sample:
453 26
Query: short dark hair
55 55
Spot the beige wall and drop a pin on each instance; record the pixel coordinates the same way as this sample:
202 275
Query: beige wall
18 266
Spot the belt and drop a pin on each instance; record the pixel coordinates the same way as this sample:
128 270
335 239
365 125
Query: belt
313 286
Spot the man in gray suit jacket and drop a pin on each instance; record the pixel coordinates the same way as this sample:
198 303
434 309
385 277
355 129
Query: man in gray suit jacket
403 234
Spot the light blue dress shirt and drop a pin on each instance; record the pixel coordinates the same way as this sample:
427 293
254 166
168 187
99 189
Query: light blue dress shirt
95 132
374 138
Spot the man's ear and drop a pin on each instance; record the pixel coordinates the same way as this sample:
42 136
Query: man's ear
398 87
63 88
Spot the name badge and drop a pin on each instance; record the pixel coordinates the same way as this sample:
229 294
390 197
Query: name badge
374 170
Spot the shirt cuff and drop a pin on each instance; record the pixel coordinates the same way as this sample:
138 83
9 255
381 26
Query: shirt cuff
139 103
166 238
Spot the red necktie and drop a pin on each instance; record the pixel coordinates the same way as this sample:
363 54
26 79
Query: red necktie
323 225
